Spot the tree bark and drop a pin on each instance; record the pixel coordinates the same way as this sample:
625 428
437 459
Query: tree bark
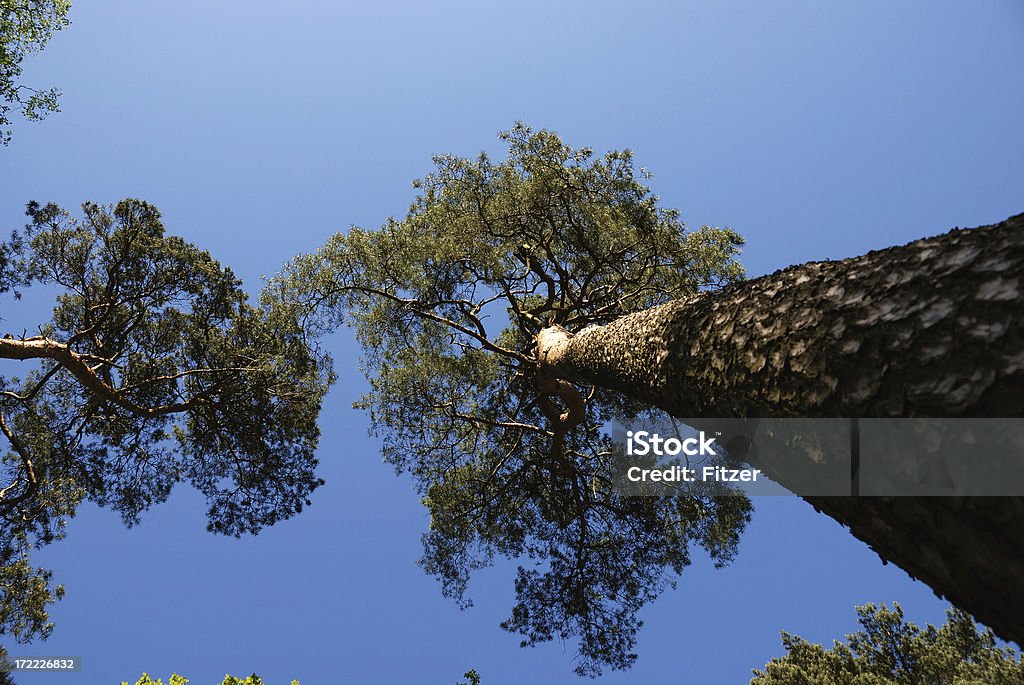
934 328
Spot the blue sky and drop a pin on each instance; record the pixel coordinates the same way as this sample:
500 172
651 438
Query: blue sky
817 130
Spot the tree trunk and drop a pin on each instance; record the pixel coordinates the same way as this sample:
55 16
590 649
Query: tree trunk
934 328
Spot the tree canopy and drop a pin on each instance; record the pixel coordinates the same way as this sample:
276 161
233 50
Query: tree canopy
25 27
153 369
447 302
889 651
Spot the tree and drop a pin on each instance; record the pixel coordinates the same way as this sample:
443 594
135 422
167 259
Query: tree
511 462
929 329
153 370
25 27
520 306
889 651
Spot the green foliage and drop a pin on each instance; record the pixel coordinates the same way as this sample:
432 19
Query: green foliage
175 679
26 591
178 680
25 27
472 677
446 303
888 651
5 666
153 370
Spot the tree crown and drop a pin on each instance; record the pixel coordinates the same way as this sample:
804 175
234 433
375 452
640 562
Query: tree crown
154 369
447 304
889 651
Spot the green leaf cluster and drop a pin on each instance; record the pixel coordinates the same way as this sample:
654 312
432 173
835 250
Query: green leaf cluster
472 677
889 651
446 303
25 27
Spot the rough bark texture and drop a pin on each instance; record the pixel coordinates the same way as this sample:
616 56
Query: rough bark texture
934 328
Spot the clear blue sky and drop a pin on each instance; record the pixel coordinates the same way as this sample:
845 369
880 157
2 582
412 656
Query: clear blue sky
816 129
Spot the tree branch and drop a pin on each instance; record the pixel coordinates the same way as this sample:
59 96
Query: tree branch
76 365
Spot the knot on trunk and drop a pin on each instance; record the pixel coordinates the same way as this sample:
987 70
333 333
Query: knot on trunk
549 386
549 341
562 420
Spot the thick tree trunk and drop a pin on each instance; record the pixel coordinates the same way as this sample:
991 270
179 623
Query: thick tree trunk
930 329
